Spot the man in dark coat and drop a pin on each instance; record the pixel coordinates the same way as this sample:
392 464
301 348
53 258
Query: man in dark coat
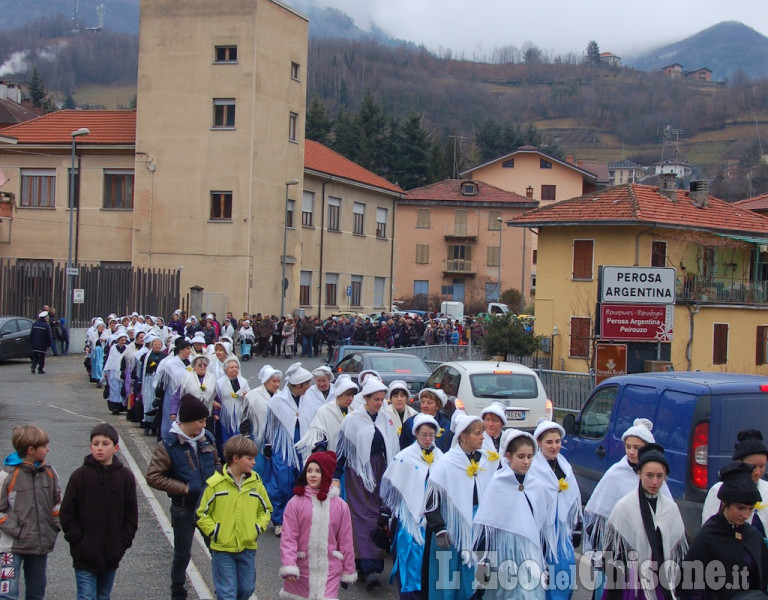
40 338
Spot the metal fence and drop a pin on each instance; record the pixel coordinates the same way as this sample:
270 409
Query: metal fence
435 355
25 286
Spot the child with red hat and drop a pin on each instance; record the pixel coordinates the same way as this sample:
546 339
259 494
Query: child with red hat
316 546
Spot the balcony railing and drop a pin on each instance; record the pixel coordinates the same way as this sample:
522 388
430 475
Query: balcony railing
721 290
459 266
460 231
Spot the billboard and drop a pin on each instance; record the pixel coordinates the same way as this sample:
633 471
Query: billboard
638 285
637 322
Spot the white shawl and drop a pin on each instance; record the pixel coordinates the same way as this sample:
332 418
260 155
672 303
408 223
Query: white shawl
395 417
492 455
355 440
191 385
233 405
519 538
114 359
450 488
282 415
404 486
626 533
712 503
616 482
565 510
258 402
326 425
170 372
316 396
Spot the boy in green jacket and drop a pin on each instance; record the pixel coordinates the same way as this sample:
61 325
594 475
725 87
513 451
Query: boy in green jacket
234 509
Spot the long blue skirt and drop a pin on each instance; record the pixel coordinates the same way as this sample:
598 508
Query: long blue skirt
408 559
279 484
449 578
562 574
97 364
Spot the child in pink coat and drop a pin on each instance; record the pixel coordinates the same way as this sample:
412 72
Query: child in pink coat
316 546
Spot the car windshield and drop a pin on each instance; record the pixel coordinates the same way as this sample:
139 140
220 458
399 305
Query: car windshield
390 363
503 385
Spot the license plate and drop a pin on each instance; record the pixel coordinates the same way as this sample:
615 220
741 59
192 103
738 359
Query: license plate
515 415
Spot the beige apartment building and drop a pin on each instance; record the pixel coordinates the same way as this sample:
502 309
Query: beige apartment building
219 134
451 242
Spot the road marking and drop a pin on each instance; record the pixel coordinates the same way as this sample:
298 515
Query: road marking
71 412
201 588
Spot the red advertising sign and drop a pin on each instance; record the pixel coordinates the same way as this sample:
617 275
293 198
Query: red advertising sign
637 323
610 360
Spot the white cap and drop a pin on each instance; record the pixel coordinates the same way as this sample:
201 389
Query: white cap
364 375
371 386
398 384
510 434
344 383
460 424
543 425
198 338
422 419
296 374
43 314
229 359
495 408
437 392
641 428
201 357
323 371
267 372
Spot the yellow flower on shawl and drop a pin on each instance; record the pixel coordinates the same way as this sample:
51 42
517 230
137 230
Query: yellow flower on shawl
473 469
760 505
492 456
234 394
189 368
441 432
202 388
562 485
399 430
428 458
153 364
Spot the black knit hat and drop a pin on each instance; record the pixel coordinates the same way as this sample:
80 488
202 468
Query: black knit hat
192 408
750 441
651 453
738 485
180 344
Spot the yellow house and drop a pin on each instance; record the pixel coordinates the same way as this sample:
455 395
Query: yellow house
720 255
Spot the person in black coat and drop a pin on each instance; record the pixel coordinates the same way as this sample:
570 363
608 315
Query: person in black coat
728 542
40 339
99 514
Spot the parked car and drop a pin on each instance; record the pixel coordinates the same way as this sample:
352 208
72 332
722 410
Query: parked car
339 352
696 417
14 337
476 384
390 365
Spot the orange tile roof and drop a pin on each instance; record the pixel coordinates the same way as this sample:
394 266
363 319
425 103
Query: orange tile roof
324 160
449 190
756 203
107 127
637 204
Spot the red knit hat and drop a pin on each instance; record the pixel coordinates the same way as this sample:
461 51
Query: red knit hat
327 463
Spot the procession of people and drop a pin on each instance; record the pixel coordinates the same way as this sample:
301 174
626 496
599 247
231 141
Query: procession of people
347 473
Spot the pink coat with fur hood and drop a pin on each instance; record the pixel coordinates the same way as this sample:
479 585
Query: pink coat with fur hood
316 546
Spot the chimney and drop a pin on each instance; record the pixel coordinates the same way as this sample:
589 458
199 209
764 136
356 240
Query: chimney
667 186
699 192
569 158
529 192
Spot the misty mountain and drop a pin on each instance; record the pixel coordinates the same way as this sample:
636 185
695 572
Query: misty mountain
120 15
724 48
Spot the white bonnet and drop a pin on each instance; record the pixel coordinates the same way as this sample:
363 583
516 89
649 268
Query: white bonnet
545 425
296 374
267 372
641 428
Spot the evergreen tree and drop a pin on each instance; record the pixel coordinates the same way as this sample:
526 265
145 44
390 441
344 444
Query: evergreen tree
346 137
344 99
318 124
593 53
369 123
37 92
415 154
69 102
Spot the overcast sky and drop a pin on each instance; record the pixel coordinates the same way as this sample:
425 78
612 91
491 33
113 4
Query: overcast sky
557 27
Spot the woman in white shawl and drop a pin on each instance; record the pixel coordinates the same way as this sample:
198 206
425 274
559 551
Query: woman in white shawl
645 536
367 444
221 351
288 419
168 377
113 371
322 390
403 490
131 375
616 482
511 547
494 417
202 384
232 389
397 407
455 487
359 401
95 344
750 449
550 467
258 403
246 336
323 432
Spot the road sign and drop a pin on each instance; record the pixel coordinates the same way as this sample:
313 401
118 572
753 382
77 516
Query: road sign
73 271
78 296
637 323
638 285
610 360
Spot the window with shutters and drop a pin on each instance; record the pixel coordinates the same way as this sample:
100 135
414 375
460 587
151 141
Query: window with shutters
493 220
583 251
293 127
720 344
308 209
378 291
460 222
357 290
223 113
38 188
422 254
289 208
493 256
658 254
761 345
225 54
305 288
381 223
548 192
331 288
580 337
358 218
295 71
459 252
334 213
118 189
534 256
422 219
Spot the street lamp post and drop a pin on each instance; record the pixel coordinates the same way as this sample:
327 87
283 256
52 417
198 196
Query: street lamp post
75 134
501 224
288 183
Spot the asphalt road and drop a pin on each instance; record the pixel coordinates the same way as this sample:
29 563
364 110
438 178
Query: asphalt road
66 405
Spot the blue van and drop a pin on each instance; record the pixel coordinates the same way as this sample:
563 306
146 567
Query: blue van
695 415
